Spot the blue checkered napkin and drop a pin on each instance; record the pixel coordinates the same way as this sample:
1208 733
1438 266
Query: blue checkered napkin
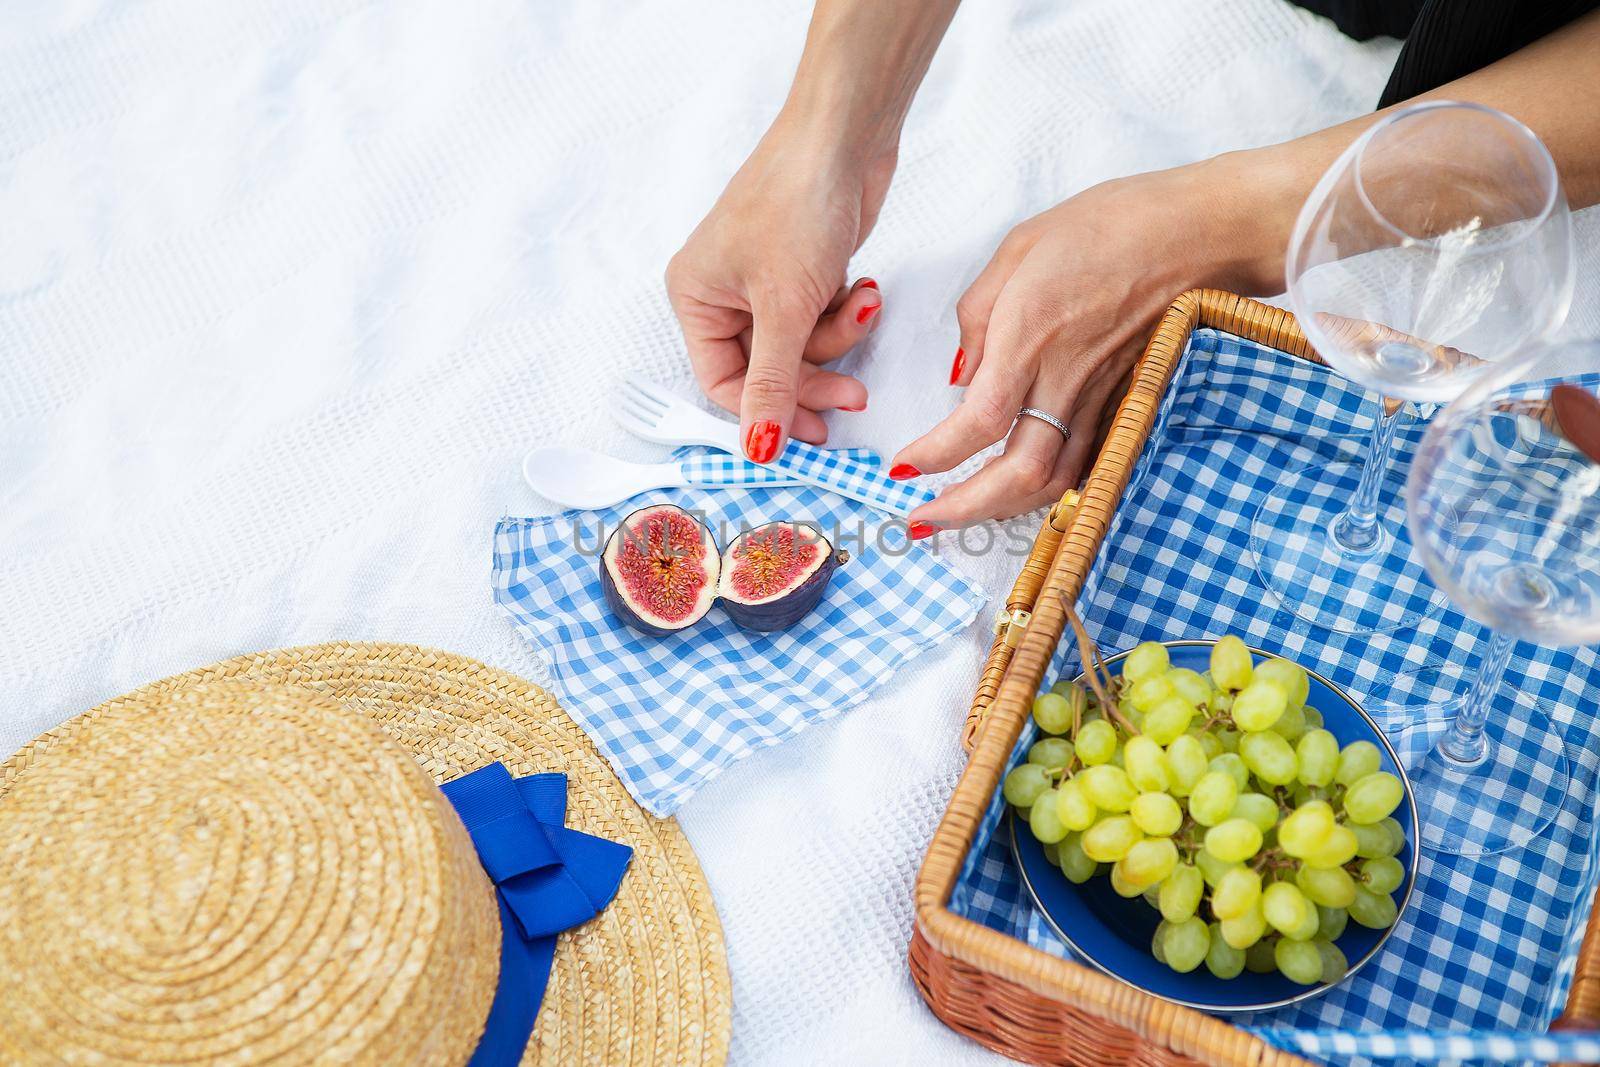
1483 959
853 474
671 713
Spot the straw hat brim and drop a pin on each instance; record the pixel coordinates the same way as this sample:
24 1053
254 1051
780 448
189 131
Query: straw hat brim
646 982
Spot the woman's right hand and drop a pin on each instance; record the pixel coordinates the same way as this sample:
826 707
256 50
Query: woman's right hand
760 289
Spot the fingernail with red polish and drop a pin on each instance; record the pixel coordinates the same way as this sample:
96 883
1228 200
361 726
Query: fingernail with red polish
919 530
865 314
761 441
959 365
856 411
901 471
869 283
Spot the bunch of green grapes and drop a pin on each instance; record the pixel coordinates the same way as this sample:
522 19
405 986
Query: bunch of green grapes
1222 800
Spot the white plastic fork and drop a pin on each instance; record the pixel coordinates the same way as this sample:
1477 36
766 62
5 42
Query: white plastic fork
655 413
583 478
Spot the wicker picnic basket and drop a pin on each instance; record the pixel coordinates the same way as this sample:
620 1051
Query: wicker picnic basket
999 991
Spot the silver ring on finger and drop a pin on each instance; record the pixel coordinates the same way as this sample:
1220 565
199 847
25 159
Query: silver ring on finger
1045 416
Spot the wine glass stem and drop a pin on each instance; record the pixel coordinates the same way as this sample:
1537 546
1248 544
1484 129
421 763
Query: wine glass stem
1464 743
1356 531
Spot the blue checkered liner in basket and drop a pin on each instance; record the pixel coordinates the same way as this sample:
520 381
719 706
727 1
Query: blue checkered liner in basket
1483 959
670 713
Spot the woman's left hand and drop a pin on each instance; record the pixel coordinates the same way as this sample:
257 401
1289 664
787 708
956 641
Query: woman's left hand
1057 320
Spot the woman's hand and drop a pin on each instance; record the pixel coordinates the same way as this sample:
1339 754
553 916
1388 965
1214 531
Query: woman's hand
1060 315
759 288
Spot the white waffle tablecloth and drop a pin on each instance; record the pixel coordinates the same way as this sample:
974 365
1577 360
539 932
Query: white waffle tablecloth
288 286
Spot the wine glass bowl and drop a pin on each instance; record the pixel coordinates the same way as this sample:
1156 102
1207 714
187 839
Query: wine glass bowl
1442 231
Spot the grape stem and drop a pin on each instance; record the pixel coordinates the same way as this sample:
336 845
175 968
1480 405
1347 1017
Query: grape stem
1095 670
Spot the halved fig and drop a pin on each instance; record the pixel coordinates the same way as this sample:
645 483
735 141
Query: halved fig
659 570
773 575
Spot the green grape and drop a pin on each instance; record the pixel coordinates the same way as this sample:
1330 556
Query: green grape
1167 720
1291 725
1228 740
1025 784
1148 658
1260 958
1186 757
1357 760
1213 797
1108 840
1331 887
1285 907
1269 757
1078 867
1234 840
1334 964
1258 808
1157 948
1374 910
1307 828
1096 743
1373 797
1313 718
1073 805
1149 692
1258 706
1053 753
1308 926
1235 893
1299 961
1336 851
1231 764
1190 685
1245 930
1157 814
1397 835
1211 868
1123 887
1230 664
1146 763
1152 895
1149 861
1078 698
1052 851
1222 959
1331 922
1382 875
1186 944
1219 703
1116 757
1210 744
1181 893
1109 788
1286 675
1052 712
1318 755
1044 819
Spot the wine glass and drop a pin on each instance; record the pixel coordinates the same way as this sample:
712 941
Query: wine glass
1437 246
1503 504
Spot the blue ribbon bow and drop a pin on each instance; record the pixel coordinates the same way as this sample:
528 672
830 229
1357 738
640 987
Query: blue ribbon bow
547 877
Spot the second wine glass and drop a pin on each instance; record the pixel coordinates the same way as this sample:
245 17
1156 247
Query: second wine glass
1437 245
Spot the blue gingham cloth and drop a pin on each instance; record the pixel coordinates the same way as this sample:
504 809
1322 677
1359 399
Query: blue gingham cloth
670 713
1482 961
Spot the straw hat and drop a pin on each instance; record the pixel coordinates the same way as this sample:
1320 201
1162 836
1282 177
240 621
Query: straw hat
210 891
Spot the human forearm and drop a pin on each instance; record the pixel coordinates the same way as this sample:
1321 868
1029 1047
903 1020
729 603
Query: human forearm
1550 86
862 64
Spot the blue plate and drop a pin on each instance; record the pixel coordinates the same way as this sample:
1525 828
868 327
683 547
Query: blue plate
1113 933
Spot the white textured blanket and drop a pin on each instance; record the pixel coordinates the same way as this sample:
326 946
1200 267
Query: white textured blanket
288 286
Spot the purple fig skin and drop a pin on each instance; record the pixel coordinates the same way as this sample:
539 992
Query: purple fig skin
789 609
622 609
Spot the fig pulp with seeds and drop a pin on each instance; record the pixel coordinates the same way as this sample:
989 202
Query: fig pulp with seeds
774 575
659 570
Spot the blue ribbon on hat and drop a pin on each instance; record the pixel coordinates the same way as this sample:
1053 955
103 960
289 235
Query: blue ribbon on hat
548 878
